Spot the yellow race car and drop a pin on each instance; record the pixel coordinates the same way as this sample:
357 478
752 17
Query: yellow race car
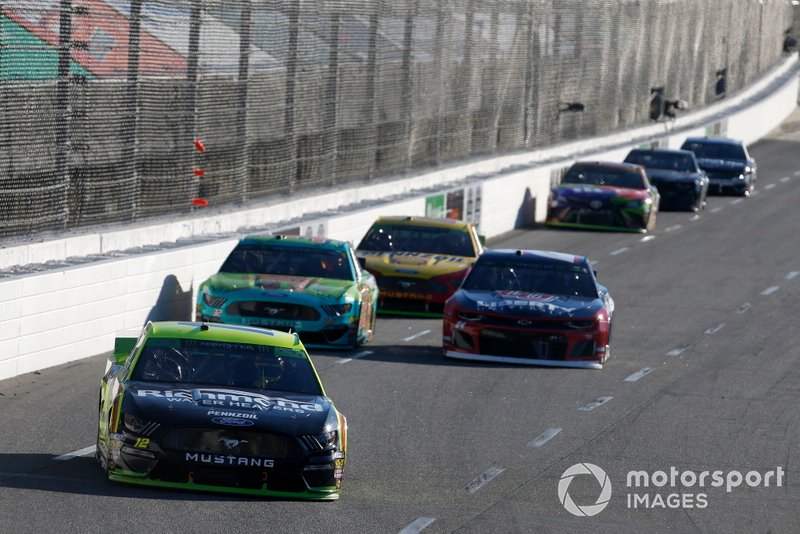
418 262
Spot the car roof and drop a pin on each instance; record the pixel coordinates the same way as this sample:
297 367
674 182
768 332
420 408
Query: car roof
609 165
223 332
292 240
532 256
714 140
454 224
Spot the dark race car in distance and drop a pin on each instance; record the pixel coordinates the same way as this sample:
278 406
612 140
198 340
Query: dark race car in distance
530 307
604 195
681 183
220 408
730 168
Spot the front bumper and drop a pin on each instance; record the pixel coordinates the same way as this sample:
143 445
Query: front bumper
553 345
322 330
315 477
615 219
733 186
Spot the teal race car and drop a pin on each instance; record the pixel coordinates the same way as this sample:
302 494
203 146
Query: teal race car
312 286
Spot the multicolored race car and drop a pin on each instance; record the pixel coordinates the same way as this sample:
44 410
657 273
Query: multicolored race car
219 408
604 196
418 262
312 286
530 307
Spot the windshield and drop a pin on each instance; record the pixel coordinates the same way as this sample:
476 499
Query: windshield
596 175
550 278
716 150
661 160
288 260
426 239
219 363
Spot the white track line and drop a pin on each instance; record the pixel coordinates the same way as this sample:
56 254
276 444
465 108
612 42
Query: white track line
785 179
770 290
673 228
737 201
544 437
647 238
639 374
619 251
744 308
415 336
482 479
356 356
797 173
790 275
599 401
714 328
716 210
86 451
677 351
769 186
418 525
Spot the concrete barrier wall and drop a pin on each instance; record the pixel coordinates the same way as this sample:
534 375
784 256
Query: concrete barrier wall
64 314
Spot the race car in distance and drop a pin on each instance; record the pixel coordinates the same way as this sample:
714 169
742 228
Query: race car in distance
681 183
530 307
730 168
604 196
418 262
312 286
219 408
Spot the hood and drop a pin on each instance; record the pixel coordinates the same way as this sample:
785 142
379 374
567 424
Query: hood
598 192
225 407
533 305
414 263
721 165
671 176
318 287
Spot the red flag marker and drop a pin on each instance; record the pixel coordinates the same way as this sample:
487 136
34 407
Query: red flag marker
199 172
198 144
200 202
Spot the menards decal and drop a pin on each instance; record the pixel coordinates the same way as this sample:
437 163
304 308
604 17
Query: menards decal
230 399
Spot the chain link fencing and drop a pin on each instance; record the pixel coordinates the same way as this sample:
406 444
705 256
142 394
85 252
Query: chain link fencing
120 110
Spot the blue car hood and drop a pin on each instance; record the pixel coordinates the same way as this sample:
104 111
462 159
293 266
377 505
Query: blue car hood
524 304
721 165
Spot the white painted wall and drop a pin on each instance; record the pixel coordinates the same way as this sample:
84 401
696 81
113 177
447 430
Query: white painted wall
66 314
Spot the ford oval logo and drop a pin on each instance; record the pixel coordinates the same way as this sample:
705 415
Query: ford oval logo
596 204
524 322
232 421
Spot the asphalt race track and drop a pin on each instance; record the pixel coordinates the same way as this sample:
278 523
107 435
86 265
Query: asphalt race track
704 376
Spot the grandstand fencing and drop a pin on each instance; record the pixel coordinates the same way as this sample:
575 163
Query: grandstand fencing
120 110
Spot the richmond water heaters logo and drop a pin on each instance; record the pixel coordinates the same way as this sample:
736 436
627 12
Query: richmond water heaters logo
590 509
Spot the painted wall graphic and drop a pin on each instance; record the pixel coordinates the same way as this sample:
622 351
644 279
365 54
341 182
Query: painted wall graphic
463 204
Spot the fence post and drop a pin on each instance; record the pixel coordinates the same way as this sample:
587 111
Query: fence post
531 52
195 18
61 167
243 152
438 72
129 151
291 73
405 91
331 95
372 65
